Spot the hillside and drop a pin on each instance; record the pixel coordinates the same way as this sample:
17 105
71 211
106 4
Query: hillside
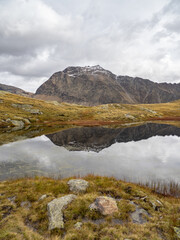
95 85
20 111
97 208
15 90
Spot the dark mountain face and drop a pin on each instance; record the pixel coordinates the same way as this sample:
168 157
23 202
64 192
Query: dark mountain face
146 91
88 86
95 85
98 138
15 90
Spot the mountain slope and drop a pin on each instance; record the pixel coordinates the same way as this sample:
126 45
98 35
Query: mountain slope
146 91
15 90
87 86
95 85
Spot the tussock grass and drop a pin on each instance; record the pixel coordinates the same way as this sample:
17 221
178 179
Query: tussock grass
166 188
21 223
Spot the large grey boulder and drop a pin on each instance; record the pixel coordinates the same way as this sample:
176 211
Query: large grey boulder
105 205
78 185
55 208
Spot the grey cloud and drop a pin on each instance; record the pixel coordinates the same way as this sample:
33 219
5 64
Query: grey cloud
126 37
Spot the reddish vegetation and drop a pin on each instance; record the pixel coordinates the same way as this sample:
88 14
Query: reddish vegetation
85 123
174 118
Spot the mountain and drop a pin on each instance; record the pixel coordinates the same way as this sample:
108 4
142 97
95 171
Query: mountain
95 85
98 138
15 90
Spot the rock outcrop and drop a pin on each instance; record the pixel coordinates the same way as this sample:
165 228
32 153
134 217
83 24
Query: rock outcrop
96 85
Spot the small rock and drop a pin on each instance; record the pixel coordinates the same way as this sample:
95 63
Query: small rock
26 204
105 205
129 116
42 197
177 231
26 121
78 185
155 204
12 199
35 111
78 225
138 216
55 208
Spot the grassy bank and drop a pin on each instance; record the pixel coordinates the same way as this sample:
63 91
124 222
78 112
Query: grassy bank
38 112
18 221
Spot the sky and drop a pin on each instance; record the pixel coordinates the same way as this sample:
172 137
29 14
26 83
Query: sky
128 37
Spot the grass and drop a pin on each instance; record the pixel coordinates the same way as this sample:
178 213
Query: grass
170 188
21 223
55 114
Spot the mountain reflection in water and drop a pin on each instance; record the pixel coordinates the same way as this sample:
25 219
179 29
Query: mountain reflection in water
98 138
142 153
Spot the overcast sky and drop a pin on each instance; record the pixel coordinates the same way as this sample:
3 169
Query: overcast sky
128 37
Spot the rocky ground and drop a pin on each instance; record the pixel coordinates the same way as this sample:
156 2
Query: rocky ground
88 208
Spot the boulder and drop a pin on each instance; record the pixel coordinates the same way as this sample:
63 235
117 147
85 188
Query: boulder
18 124
35 111
105 205
55 208
78 185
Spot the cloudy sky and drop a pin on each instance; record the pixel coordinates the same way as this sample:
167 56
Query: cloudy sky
128 37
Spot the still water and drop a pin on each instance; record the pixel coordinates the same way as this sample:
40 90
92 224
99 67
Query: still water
144 153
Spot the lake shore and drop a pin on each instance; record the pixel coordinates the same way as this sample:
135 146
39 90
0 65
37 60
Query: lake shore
141 213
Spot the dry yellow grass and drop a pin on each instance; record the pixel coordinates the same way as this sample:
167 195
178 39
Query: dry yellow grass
21 223
63 113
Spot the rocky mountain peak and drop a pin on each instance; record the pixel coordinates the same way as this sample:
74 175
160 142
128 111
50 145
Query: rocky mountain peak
92 70
94 85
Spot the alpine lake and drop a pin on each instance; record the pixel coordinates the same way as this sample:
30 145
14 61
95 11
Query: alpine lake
145 153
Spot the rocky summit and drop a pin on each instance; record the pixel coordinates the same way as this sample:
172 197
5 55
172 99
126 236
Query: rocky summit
95 85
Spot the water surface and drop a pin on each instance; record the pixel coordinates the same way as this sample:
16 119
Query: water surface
143 153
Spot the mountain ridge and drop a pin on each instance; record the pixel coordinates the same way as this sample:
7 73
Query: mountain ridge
96 85
15 90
